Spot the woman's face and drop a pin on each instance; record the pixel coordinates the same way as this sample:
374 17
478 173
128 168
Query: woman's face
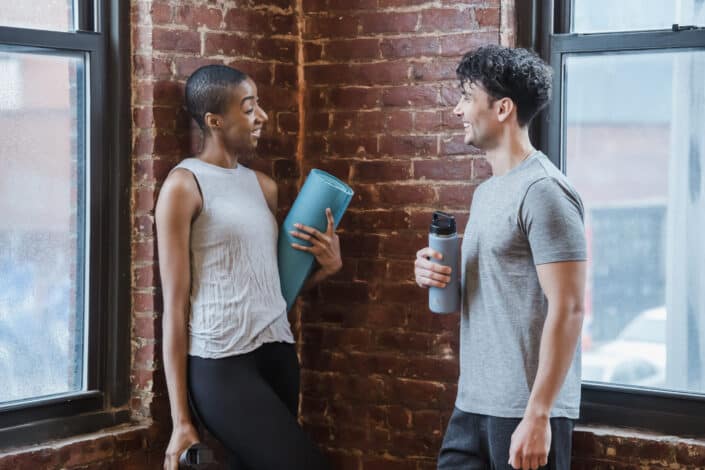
242 122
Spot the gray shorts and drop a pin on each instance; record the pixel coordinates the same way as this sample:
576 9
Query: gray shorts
474 441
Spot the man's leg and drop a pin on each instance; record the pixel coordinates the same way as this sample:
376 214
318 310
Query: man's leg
499 434
464 443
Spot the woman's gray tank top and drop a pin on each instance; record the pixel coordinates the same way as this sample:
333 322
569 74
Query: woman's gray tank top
236 299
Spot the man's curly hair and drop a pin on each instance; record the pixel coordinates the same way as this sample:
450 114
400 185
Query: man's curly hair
517 74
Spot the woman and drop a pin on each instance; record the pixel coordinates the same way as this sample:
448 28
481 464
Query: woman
225 318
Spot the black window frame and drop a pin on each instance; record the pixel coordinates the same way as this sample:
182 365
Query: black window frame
544 26
102 33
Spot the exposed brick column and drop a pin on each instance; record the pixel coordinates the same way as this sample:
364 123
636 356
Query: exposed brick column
380 370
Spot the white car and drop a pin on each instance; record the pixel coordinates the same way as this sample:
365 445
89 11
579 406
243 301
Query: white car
637 356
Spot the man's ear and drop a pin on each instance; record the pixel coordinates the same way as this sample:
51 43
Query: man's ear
504 106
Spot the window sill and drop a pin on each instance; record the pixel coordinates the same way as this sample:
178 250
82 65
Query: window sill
601 444
130 442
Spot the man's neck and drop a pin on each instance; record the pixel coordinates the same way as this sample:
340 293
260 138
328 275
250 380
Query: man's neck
511 151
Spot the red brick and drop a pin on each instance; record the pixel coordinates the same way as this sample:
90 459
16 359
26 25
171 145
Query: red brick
284 24
394 22
185 66
406 194
152 67
145 276
455 195
373 171
380 220
345 292
145 198
397 120
312 52
459 44
286 77
333 26
428 121
228 44
408 145
283 50
288 122
395 48
337 5
179 41
247 21
142 39
408 96
404 245
260 72
446 19
160 13
380 73
168 92
199 16
444 169
487 17
353 146
437 70
355 97
348 49
314 5
400 3
455 145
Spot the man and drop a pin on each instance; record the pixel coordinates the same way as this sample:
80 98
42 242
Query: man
523 276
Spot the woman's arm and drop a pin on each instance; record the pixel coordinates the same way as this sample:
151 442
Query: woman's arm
179 202
326 246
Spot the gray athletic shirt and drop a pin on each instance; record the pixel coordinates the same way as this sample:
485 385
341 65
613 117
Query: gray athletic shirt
528 216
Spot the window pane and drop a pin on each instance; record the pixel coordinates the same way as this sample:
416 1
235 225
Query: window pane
635 150
42 248
55 15
594 16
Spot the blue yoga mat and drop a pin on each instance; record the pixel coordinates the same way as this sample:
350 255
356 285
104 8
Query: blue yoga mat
320 191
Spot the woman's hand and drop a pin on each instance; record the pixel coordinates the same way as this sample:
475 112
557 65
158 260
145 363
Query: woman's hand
182 437
326 246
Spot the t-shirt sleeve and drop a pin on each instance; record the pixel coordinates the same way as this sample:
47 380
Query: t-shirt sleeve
551 216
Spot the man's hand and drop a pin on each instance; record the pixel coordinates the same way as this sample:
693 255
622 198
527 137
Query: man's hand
428 273
531 442
326 246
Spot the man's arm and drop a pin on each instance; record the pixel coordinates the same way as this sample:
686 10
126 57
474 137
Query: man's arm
563 283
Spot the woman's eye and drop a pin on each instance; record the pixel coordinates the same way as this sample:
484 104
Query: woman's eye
250 111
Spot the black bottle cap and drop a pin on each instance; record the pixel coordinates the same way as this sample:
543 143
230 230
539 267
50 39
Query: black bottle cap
443 224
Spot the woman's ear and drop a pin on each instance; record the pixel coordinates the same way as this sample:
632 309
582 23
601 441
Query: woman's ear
213 121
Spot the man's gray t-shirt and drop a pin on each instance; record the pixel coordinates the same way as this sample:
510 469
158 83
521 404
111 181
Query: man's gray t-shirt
529 216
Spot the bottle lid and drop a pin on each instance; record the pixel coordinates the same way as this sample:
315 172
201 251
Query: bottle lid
442 224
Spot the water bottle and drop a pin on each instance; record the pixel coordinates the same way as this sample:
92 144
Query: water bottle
196 457
443 238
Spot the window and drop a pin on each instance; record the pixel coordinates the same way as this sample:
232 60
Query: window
62 260
626 125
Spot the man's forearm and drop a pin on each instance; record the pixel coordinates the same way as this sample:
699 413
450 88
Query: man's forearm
559 340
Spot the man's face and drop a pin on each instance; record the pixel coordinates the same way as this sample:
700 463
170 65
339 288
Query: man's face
480 121
243 120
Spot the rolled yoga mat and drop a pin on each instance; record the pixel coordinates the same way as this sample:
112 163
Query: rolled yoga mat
320 191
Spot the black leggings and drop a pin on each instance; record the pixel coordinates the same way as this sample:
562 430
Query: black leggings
249 403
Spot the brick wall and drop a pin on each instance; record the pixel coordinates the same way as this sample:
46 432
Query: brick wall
365 90
379 370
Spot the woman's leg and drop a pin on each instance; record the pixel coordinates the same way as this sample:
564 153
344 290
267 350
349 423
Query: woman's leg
242 410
